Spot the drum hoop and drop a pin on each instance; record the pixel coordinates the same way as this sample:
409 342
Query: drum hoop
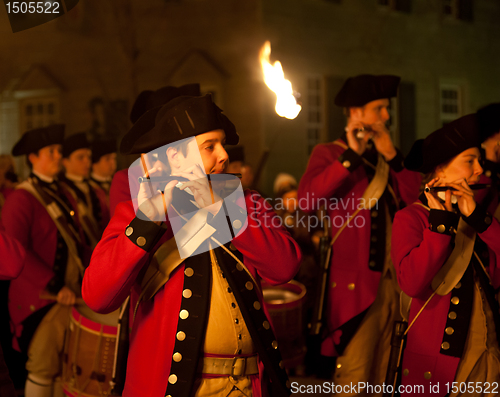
293 286
77 322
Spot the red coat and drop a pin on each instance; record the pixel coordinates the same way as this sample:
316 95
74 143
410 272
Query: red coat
418 253
26 220
355 285
268 251
121 187
13 253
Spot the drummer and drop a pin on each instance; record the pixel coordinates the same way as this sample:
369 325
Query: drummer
52 265
202 330
454 337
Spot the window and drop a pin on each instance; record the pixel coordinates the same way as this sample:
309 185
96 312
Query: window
315 114
458 9
38 112
450 103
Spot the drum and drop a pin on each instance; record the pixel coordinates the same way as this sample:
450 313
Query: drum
89 353
285 306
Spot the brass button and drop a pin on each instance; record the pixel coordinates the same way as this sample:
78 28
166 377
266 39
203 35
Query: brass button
129 231
334 284
372 264
187 293
172 379
141 241
232 247
249 285
239 267
181 336
72 213
265 324
32 308
406 372
374 214
427 375
346 163
374 239
444 346
455 300
374 226
339 365
184 314
487 220
274 344
449 330
459 284
373 251
236 321
177 357
351 286
487 174
452 315
256 305
189 272
441 229
237 224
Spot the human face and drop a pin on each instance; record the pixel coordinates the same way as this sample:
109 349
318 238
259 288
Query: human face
48 160
106 166
491 147
464 166
373 112
79 162
211 148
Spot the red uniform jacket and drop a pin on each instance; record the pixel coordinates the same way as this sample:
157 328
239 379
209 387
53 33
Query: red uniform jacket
352 284
418 253
268 251
13 255
26 220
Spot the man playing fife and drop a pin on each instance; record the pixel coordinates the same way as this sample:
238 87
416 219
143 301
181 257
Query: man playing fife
361 180
200 327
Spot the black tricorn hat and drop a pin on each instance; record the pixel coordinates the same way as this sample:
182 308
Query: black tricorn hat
181 118
149 99
488 118
102 147
236 153
444 144
75 142
358 91
34 140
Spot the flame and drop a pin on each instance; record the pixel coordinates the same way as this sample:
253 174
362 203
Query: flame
286 103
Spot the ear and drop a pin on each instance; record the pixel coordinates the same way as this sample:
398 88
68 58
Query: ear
32 157
173 157
439 172
355 113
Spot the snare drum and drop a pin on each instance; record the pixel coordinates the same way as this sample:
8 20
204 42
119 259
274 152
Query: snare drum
285 306
89 353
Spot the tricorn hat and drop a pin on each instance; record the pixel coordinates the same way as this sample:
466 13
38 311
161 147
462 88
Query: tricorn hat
358 91
149 99
75 142
102 147
444 144
182 117
34 140
488 118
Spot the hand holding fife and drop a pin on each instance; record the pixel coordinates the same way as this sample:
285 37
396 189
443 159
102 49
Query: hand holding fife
434 201
382 141
152 202
355 140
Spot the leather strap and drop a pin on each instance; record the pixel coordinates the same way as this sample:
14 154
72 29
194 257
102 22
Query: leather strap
70 236
234 366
